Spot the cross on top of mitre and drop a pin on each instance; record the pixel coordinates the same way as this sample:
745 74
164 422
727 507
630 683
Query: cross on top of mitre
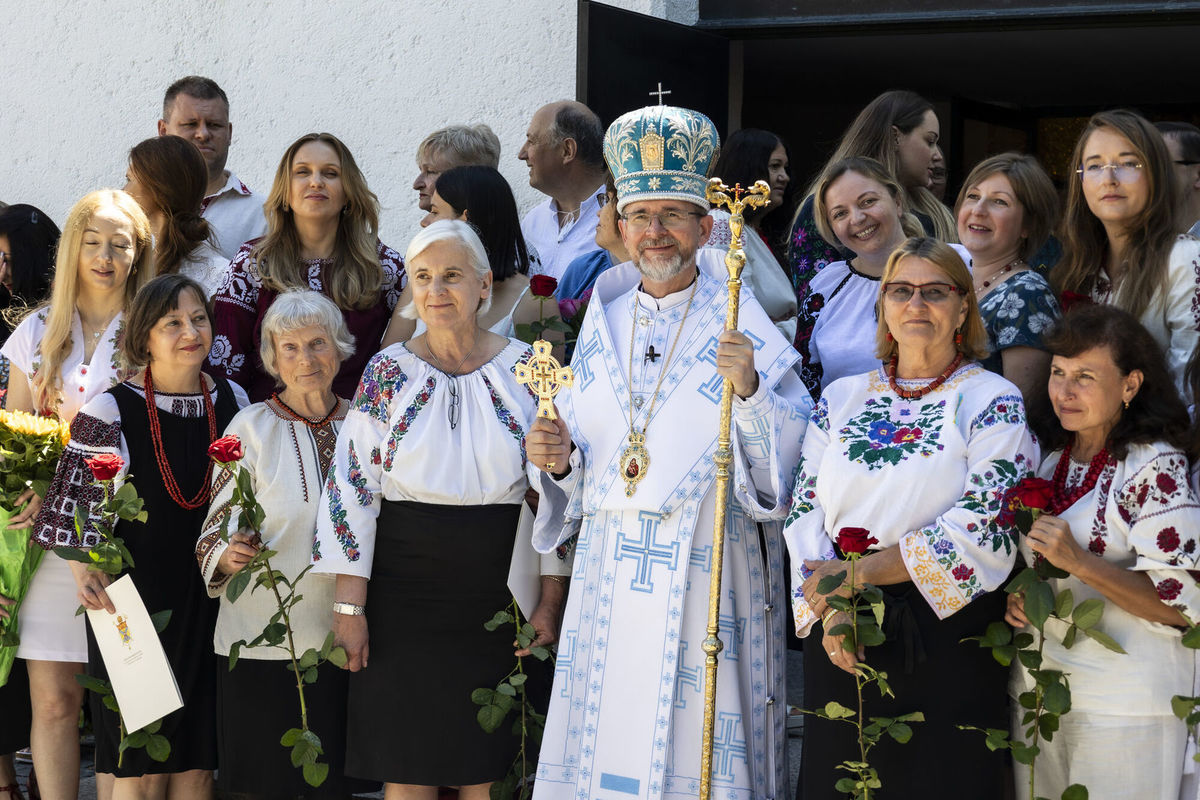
544 376
661 91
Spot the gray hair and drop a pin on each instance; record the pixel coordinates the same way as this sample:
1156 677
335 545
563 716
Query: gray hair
463 145
577 121
298 308
460 233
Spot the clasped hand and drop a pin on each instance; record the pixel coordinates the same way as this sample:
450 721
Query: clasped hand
839 656
242 549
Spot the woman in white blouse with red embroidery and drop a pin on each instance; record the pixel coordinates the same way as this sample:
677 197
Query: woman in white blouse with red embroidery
1124 525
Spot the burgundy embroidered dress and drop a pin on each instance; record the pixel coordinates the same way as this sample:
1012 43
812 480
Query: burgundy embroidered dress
162 549
242 301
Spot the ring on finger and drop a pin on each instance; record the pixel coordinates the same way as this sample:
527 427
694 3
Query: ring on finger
550 466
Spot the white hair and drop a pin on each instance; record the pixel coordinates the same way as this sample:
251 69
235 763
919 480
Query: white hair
298 308
460 233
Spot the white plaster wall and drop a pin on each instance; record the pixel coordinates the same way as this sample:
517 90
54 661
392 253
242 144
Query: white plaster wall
82 82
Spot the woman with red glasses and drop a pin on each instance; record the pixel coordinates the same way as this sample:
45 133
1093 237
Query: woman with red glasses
919 452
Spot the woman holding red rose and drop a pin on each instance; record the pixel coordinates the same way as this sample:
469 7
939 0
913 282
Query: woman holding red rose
481 197
1124 523
155 427
909 463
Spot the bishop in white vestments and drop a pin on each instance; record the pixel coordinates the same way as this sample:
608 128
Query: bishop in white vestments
628 465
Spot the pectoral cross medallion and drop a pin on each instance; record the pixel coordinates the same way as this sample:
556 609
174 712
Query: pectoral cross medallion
544 377
635 460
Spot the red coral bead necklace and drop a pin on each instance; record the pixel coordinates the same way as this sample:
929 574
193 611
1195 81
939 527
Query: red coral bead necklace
164 466
1063 499
917 394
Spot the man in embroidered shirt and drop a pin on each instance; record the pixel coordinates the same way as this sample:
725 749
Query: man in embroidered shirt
450 147
564 152
197 109
629 465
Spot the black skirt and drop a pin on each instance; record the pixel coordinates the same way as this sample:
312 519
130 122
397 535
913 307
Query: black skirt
256 703
16 715
930 671
439 573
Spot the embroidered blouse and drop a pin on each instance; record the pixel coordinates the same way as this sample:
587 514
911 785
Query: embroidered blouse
1173 315
771 286
926 474
287 461
97 429
242 301
397 443
1143 516
207 266
1015 314
80 382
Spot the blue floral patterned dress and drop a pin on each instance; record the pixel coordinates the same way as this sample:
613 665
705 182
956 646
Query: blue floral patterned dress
1015 314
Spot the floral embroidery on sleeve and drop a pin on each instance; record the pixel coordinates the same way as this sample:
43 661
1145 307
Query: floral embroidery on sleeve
1006 409
506 417
337 515
404 423
354 474
380 382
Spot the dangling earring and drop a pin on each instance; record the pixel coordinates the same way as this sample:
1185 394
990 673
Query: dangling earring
1126 402
345 209
890 338
958 337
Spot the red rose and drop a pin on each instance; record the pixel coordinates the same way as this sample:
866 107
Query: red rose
1068 300
1033 493
1097 545
543 285
1169 589
962 572
855 540
105 466
1166 484
1168 540
226 449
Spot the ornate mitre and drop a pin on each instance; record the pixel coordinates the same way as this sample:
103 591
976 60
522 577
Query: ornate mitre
661 153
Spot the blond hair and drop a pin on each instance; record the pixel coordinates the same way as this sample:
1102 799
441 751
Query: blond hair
56 342
974 344
868 168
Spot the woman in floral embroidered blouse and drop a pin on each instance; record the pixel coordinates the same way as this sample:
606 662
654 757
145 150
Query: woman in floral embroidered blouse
321 234
418 522
1124 523
1006 211
289 443
919 452
62 356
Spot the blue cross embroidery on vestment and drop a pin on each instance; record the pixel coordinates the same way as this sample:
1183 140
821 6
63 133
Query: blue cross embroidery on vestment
728 749
582 363
646 552
685 677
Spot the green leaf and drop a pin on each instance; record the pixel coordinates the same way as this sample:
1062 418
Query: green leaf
303 753
310 675
1191 637
1030 659
490 717
1023 580
482 697
315 774
275 633
1039 601
1028 700
327 645
308 659
161 619
1076 791
73 554
540 653
1004 655
830 583
1104 639
1046 570
1069 637
518 679
1024 753
506 689
846 786
1056 699
1063 603
900 732
1182 706
337 657
835 710
237 584
235 650
93 684
1088 613
912 716
290 737
157 747
137 739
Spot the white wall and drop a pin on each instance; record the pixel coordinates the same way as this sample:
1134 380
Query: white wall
83 82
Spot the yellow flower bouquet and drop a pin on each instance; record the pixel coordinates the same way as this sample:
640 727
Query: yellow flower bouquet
30 447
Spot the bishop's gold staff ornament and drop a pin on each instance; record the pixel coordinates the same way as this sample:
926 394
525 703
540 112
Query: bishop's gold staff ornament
736 200
545 377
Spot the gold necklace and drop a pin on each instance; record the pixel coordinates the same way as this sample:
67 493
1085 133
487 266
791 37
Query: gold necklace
635 458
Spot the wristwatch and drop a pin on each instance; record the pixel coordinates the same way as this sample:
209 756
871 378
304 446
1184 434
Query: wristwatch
349 609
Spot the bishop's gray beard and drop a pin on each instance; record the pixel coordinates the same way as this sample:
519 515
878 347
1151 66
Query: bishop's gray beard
660 268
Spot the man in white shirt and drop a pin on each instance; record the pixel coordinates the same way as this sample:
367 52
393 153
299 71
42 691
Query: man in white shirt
450 147
197 109
564 150
1183 142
